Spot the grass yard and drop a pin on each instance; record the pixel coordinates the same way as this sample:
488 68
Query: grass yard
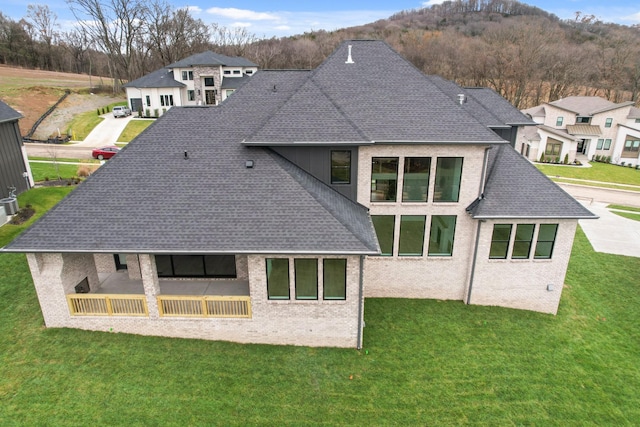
42 171
628 215
133 129
425 362
597 172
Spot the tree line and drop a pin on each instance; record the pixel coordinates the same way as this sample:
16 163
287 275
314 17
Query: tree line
526 54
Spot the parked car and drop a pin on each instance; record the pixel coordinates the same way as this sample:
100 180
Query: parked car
121 111
105 152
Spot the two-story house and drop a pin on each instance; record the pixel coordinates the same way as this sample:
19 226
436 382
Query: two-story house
583 125
270 218
14 165
206 78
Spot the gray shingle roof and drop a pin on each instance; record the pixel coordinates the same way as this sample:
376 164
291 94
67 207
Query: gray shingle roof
234 82
516 189
158 78
587 105
498 106
209 58
149 198
8 114
379 97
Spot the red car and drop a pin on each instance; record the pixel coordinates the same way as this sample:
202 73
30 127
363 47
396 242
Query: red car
105 152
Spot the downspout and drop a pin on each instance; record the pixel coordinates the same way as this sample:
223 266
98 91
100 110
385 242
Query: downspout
474 259
473 262
360 304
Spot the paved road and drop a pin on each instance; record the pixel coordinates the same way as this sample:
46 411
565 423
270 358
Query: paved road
604 195
106 133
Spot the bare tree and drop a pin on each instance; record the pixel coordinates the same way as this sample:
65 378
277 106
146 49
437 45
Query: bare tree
44 23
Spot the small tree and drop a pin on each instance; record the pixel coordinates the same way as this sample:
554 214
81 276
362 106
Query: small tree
566 159
542 158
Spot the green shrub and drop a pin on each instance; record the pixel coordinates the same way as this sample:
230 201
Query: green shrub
147 113
98 111
155 113
566 159
542 158
608 159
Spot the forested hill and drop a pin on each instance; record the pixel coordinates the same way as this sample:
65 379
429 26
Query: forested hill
524 53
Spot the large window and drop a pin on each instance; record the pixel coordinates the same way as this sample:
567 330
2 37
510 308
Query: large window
221 266
522 243
166 100
443 228
278 278
631 148
191 95
384 179
500 241
340 167
411 235
607 144
583 120
546 241
334 278
448 176
416 179
306 278
208 81
384 225
600 143
187 75
553 148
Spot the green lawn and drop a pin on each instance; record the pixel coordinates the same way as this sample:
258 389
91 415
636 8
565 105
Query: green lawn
425 362
624 208
42 171
133 129
597 172
633 216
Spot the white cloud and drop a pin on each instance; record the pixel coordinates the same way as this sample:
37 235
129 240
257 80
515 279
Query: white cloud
249 15
241 24
194 9
632 18
432 2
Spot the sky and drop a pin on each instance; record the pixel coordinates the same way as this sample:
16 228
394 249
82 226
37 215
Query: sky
281 18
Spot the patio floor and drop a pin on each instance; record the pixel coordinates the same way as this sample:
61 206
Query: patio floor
119 283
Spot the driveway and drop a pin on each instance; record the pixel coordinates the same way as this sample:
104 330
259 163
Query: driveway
610 233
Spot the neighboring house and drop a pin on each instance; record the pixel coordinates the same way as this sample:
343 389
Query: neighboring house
14 164
206 78
583 125
270 218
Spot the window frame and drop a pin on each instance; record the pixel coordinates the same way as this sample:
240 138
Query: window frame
517 241
343 285
439 236
391 193
608 122
378 219
607 144
600 144
296 278
440 188
268 268
495 241
409 185
559 120
552 242
172 260
405 235
191 95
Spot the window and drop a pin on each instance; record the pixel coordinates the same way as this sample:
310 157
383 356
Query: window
384 179
148 101
191 95
607 144
227 72
583 120
553 148
559 121
631 148
187 75
306 278
637 120
340 167
219 266
448 176
248 72
208 81
546 240
608 122
278 278
522 243
411 235
166 100
384 226
236 72
334 278
416 179
599 145
500 241
229 92
443 229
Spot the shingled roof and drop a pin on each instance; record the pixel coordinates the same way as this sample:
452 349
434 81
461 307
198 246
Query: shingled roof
516 189
158 78
8 114
209 58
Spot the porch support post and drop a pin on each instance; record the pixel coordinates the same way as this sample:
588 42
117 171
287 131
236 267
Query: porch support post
150 283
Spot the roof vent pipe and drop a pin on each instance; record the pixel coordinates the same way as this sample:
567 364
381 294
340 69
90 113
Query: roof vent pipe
462 98
349 59
186 155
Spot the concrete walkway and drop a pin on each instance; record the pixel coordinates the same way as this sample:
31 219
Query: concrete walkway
106 133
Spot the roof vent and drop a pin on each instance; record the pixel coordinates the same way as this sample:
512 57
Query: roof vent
274 88
349 59
186 155
462 98
249 164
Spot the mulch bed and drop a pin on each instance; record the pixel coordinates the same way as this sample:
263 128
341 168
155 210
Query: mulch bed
22 215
